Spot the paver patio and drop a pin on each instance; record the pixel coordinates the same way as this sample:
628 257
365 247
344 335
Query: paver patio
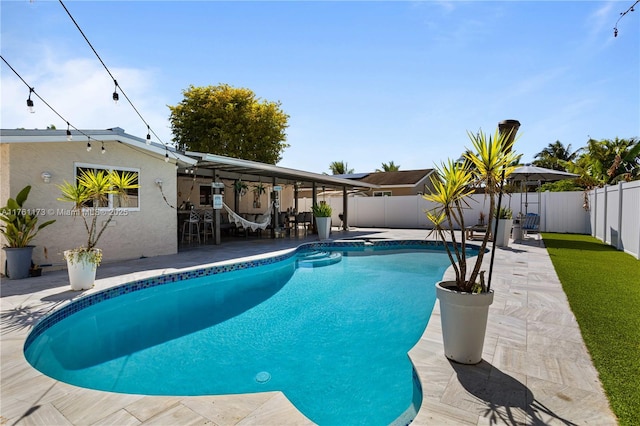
535 368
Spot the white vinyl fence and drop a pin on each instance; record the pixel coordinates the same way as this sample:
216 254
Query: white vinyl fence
611 214
559 211
615 216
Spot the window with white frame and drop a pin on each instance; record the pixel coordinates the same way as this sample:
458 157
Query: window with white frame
132 199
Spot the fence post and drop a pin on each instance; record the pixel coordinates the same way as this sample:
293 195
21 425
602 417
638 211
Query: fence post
619 242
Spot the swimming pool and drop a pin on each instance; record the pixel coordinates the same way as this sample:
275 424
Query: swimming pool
330 331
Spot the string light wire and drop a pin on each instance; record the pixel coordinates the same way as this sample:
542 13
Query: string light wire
117 86
69 125
33 91
631 9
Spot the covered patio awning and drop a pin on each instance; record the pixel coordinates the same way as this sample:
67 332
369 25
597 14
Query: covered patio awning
234 168
220 167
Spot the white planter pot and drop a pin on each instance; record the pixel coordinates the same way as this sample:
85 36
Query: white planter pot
464 322
504 232
324 227
82 273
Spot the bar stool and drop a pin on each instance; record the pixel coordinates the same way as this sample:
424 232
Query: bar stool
207 224
190 224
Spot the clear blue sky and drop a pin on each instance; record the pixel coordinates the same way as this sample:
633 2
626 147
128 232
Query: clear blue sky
363 82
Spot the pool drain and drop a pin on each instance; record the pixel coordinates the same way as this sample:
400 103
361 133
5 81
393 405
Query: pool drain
263 377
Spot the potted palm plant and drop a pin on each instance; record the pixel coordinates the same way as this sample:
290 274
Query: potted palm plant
465 301
19 228
90 198
322 213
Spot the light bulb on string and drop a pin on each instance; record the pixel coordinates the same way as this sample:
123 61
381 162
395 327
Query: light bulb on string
148 135
166 156
102 151
30 102
69 136
89 146
116 97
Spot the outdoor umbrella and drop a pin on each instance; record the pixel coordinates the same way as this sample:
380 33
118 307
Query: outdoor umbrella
528 173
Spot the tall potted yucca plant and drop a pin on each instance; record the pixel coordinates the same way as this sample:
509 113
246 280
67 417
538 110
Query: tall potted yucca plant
90 198
465 301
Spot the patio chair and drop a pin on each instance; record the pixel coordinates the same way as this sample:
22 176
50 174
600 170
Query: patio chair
482 229
531 225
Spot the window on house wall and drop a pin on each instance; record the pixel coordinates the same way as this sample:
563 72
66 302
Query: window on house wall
205 195
382 193
132 199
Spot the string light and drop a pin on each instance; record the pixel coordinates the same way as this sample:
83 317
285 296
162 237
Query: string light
166 155
148 135
631 9
116 97
30 102
102 151
69 137
89 145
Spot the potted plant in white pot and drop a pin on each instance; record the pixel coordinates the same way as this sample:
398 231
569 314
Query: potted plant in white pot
90 196
322 213
504 216
19 228
465 301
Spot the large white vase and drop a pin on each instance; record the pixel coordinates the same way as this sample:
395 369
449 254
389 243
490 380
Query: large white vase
324 227
464 321
82 272
504 232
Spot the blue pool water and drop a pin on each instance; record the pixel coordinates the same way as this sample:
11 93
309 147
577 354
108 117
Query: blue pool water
330 329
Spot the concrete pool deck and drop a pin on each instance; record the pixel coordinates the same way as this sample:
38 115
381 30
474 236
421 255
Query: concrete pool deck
535 368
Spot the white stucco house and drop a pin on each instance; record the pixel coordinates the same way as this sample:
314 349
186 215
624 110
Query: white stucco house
46 158
148 225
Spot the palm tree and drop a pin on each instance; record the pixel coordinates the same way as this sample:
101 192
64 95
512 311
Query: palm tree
391 167
339 168
553 154
607 161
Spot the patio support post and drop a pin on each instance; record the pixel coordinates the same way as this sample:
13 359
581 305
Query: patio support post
216 190
275 210
314 201
345 216
509 128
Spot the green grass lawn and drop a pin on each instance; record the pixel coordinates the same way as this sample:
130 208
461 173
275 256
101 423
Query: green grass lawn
603 288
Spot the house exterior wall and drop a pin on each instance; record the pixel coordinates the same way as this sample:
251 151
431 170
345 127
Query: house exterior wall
147 231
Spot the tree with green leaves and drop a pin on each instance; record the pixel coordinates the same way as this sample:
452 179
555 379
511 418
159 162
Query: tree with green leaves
340 168
553 154
229 121
606 162
391 167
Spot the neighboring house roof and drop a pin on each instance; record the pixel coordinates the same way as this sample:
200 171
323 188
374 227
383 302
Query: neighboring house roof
399 178
115 134
356 176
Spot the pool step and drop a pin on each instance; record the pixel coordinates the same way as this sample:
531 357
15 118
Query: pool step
318 258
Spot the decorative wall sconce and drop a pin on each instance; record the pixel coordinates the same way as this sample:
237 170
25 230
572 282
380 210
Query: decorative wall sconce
46 177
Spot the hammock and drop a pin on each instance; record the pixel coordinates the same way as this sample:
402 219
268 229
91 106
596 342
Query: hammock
265 219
